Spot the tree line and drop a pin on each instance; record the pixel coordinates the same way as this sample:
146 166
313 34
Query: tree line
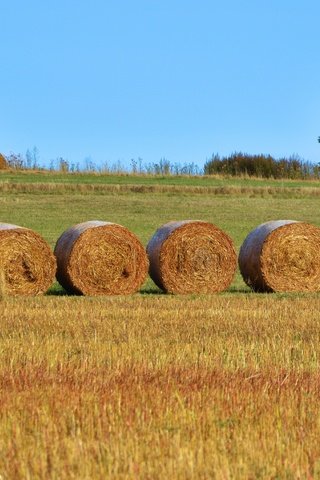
264 166
236 164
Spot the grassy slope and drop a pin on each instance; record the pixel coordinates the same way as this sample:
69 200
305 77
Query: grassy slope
100 178
156 386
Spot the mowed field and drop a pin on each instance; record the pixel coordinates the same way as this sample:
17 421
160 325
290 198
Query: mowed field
150 385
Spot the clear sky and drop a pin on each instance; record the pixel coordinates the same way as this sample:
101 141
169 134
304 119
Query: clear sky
181 79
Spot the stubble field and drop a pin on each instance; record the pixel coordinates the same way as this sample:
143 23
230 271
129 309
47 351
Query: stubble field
151 385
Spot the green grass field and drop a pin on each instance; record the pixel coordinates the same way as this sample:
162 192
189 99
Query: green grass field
150 385
39 176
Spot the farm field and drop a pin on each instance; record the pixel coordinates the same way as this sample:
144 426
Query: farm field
151 385
48 177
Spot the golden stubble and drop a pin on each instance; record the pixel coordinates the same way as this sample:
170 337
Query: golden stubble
155 386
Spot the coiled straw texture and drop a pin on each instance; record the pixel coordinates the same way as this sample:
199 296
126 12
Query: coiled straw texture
100 258
191 256
282 256
27 264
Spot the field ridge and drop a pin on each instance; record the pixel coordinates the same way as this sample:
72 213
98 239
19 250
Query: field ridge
87 188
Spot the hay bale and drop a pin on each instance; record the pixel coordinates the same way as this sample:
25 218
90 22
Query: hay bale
3 162
191 256
27 264
100 258
282 256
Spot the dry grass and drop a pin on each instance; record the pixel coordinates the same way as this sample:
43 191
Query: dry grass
160 387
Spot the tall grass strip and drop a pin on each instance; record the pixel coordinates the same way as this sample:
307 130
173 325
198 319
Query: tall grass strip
98 188
191 257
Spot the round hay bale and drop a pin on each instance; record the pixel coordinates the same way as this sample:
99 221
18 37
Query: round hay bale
191 256
282 256
100 258
3 162
27 264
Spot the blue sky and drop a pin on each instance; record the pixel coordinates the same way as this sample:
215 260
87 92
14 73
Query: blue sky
115 80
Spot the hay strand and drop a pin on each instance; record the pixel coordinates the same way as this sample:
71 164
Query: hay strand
282 256
191 256
100 258
27 264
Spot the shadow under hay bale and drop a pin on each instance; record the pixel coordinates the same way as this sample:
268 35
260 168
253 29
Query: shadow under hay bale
100 258
191 256
282 256
27 264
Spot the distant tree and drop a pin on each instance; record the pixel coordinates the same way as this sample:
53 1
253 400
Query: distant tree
63 165
319 139
260 165
32 158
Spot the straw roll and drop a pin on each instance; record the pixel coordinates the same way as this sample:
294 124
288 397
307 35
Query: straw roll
100 258
27 264
191 256
280 256
3 162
